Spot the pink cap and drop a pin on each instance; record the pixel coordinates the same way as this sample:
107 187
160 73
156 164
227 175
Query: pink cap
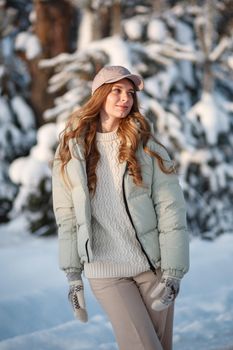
111 74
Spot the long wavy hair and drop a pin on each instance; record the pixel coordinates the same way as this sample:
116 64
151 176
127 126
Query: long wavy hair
133 130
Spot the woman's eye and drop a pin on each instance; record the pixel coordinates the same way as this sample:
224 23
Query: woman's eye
117 91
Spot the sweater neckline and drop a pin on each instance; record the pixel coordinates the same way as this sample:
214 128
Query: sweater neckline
106 136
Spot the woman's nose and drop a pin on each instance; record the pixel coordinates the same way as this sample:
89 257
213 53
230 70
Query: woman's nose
124 97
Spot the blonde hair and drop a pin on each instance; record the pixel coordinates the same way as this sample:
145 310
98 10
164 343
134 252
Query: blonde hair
133 129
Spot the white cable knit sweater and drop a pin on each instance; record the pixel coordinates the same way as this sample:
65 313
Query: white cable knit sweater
116 250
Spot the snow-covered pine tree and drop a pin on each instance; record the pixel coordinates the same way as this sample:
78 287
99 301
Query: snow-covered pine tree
185 58
17 121
32 173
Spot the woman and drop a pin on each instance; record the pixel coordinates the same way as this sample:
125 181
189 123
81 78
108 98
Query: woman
121 214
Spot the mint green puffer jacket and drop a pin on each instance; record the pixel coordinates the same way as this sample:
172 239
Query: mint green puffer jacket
156 210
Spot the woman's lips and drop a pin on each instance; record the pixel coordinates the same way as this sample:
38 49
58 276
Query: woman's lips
123 107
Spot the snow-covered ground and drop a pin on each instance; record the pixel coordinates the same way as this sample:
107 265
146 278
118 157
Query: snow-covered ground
35 313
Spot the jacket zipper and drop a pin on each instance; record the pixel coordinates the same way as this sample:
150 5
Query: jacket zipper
132 223
88 258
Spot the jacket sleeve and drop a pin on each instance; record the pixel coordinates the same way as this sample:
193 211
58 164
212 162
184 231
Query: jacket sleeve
170 209
69 260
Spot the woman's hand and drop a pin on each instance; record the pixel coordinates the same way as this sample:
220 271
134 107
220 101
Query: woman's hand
76 298
165 293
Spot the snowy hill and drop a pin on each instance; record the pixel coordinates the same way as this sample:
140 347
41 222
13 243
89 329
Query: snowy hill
35 314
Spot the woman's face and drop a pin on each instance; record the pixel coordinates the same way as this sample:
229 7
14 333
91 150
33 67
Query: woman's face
119 101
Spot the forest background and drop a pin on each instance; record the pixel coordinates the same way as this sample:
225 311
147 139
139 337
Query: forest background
51 50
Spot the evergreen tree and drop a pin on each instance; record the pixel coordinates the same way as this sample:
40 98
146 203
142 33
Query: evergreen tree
185 60
17 121
183 50
46 35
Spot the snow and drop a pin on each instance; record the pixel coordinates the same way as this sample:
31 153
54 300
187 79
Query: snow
33 48
152 87
5 113
35 313
134 28
156 30
230 61
6 47
213 120
29 43
42 153
160 84
152 50
24 113
16 169
208 291
187 73
10 131
85 33
46 141
219 49
113 46
2 71
28 171
62 58
184 34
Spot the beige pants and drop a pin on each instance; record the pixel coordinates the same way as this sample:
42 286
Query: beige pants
127 303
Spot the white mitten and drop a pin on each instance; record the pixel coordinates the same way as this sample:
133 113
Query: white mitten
165 292
76 298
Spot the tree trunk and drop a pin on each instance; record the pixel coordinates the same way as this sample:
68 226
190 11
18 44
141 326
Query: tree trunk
205 33
53 28
53 22
105 20
208 79
158 6
116 18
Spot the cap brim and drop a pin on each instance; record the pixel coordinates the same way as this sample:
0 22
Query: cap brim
136 79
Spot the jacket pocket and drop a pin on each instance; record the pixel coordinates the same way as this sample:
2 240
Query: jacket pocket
150 242
83 243
143 213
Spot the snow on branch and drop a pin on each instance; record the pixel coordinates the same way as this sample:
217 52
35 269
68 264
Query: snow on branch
213 120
